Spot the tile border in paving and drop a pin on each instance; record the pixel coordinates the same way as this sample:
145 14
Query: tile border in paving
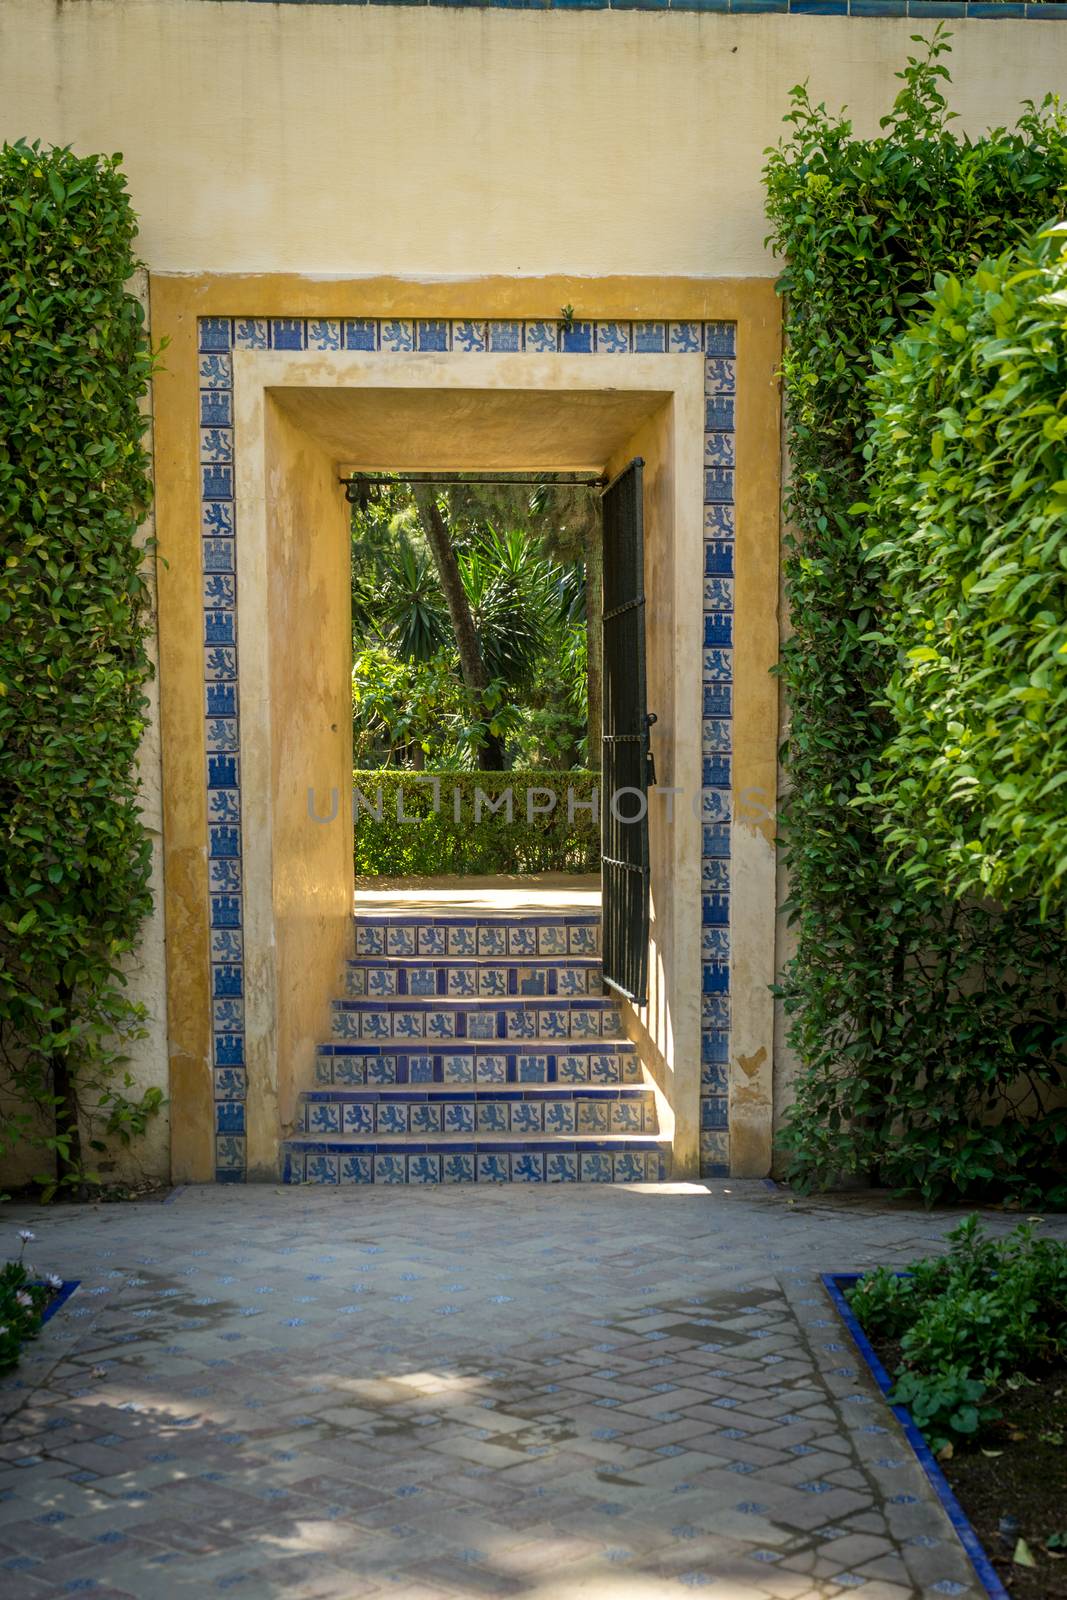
834 1284
59 1299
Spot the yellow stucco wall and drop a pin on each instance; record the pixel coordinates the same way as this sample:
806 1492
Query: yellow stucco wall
378 139
332 160
298 415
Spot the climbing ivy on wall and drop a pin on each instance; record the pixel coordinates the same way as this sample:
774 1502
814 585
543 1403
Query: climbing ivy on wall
929 1032
74 607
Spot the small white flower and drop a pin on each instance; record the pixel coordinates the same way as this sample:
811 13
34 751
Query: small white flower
54 1281
24 1300
26 1236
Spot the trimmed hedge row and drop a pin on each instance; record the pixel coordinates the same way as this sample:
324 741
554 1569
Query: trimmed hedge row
75 857
410 824
969 526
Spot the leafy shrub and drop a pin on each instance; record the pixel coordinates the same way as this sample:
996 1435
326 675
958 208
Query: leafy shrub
969 534
462 835
928 1032
22 1303
74 610
968 1323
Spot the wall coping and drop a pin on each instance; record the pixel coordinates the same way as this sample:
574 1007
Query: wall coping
989 10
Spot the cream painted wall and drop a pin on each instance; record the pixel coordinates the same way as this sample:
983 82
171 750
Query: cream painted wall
331 139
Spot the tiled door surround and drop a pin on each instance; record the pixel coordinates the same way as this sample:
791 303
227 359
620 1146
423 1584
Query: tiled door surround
222 342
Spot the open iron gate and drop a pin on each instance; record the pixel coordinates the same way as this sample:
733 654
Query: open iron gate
627 768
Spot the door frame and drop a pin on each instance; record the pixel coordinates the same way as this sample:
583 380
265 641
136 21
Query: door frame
177 304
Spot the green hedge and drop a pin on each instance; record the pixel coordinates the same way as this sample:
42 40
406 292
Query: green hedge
74 616
929 1031
462 835
969 523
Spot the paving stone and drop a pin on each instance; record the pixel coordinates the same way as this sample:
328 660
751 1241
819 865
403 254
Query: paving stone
318 1394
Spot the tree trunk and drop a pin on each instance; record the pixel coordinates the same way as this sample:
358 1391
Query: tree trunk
471 662
66 1113
594 635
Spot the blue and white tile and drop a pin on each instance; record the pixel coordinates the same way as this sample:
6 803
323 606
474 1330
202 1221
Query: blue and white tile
320 1116
215 333
216 372
458 1168
287 333
391 1119
361 333
357 1169
526 1117
324 334
433 336
591 1117
613 338
595 1167
559 1118
505 337
541 337
250 333
390 1168
321 1168
470 337
398 336
686 338
720 376
459 1117
358 1119
424 1118
457 1069
649 338
492 1168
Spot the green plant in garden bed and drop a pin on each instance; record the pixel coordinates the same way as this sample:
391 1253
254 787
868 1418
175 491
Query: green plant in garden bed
463 835
929 1030
75 856
969 1325
22 1303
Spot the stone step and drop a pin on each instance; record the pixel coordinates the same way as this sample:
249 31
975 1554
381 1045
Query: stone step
529 1111
404 934
472 977
470 1062
441 1020
484 1159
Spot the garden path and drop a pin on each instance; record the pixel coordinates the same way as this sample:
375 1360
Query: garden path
539 894
604 1392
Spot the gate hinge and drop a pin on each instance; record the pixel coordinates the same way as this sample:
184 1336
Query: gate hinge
650 760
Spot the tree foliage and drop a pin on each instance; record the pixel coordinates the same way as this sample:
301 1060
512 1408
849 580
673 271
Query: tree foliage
412 703
930 1034
74 610
969 534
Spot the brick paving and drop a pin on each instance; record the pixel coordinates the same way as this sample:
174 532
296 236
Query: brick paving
607 1392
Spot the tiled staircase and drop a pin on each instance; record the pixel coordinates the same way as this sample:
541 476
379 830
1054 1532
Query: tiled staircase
476 1049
